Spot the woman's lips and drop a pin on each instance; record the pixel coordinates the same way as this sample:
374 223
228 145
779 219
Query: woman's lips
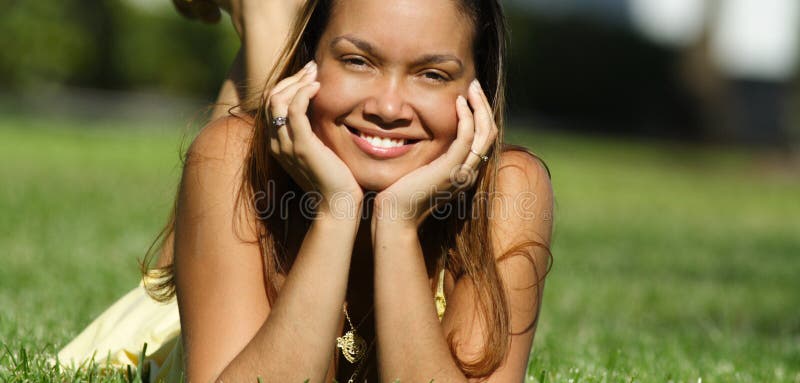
378 151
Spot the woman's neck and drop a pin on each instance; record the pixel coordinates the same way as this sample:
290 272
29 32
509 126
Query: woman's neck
362 262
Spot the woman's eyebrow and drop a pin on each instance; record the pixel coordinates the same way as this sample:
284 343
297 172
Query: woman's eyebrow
438 59
360 44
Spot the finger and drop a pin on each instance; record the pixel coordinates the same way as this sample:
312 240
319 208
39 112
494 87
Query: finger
493 131
464 113
482 113
298 124
279 106
280 145
285 144
485 127
465 133
298 109
273 142
293 79
298 130
279 102
310 66
483 95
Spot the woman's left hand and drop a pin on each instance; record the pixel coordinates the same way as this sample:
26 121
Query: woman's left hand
412 198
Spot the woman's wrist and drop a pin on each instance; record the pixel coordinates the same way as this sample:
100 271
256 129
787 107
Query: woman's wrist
341 206
392 238
391 225
335 228
389 213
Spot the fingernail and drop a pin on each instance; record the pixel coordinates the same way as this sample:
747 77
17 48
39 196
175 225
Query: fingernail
312 66
308 64
460 99
475 84
311 72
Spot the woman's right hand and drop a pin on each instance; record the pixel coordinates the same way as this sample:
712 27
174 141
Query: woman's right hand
314 166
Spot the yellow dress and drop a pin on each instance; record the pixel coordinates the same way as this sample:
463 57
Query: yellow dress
119 334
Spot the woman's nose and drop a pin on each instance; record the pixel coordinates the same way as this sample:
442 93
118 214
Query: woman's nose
388 104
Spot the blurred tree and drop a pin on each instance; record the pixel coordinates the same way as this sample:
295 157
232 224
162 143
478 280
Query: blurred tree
582 74
112 44
43 42
165 51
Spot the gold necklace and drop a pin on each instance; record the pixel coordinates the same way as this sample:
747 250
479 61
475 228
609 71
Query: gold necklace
353 346
361 364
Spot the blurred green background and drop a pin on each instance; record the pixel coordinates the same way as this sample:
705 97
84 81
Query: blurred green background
676 238
114 45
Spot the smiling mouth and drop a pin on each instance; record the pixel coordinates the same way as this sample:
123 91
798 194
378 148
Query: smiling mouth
381 142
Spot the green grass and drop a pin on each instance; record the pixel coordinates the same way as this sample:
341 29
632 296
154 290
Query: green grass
672 263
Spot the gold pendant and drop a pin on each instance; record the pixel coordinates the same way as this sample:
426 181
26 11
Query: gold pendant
353 346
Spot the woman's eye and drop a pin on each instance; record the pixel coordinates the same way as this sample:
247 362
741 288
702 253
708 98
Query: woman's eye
435 76
355 62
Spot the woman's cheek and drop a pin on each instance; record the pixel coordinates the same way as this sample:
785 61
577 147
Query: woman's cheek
439 114
337 96
323 102
324 105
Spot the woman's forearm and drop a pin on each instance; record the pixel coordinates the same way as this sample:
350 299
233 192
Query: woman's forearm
232 91
404 305
297 340
265 28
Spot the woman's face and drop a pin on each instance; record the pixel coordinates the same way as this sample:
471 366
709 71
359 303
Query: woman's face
390 72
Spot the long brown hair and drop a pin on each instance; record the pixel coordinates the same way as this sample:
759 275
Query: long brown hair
465 249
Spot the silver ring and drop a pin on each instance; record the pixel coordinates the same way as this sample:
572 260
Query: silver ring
481 156
277 122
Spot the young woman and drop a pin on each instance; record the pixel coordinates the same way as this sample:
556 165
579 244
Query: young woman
364 221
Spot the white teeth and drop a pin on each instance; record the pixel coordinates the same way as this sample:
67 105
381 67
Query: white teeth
382 142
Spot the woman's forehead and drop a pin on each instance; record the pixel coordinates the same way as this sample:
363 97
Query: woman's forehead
403 26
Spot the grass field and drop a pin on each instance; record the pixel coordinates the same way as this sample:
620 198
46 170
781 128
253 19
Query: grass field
672 263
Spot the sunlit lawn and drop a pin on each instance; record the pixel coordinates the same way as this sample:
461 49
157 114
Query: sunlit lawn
671 263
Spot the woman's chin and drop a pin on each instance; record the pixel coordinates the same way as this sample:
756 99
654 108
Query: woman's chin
377 182
374 186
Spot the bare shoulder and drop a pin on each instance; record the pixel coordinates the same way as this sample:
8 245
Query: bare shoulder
526 198
227 139
520 168
215 161
213 173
